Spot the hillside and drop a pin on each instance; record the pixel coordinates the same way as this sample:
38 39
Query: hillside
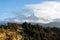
9 35
28 31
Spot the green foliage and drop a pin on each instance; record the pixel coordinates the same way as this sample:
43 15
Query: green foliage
33 32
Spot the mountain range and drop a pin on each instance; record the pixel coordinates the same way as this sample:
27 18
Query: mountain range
51 24
33 19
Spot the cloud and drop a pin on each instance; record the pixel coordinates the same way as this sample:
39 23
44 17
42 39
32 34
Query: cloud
43 12
27 20
31 18
46 10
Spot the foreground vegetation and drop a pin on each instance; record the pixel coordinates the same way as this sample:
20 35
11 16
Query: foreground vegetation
27 31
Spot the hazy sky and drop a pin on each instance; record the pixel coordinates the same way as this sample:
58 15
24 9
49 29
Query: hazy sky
7 7
42 9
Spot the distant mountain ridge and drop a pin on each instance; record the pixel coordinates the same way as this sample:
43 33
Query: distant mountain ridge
53 24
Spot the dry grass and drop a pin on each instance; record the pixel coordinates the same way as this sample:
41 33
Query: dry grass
10 35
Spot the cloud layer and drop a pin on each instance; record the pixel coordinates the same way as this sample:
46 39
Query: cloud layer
47 10
43 12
